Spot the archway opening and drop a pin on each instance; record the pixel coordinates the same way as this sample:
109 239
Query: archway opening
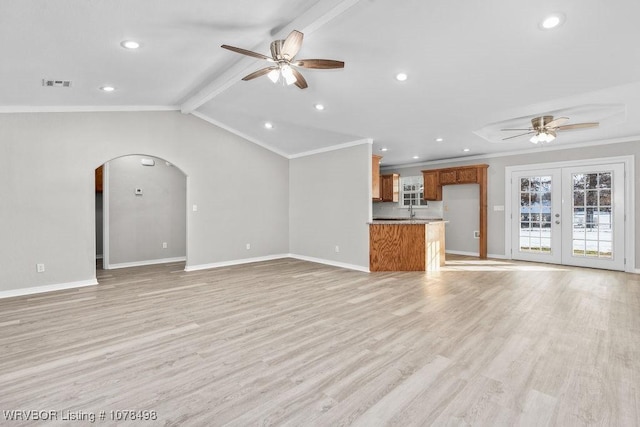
140 212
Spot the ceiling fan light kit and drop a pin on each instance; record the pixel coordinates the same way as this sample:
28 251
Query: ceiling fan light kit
545 128
282 55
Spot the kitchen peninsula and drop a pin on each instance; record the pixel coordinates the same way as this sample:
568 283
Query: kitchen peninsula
406 244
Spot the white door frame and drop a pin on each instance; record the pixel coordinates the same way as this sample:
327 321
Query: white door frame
629 197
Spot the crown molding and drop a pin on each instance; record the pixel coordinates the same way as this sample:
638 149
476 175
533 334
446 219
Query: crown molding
238 133
84 108
332 148
620 140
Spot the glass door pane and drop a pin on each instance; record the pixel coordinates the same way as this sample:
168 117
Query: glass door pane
592 228
595 236
535 231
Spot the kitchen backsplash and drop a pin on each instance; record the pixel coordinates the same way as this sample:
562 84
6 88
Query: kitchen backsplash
393 210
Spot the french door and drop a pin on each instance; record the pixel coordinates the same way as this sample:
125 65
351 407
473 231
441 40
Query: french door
570 215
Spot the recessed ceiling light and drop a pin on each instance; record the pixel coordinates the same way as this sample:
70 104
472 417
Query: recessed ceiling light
107 88
439 139
416 157
401 77
384 149
466 150
552 21
319 107
268 125
130 44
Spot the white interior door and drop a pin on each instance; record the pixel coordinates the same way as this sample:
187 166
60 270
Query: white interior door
536 232
593 226
571 216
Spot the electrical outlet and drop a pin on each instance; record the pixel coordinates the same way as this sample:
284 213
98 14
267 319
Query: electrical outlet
164 245
195 208
248 246
337 248
40 268
476 234
138 191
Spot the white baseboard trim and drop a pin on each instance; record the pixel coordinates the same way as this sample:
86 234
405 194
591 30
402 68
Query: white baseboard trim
234 262
142 263
476 254
99 256
331 263
47 288
447 251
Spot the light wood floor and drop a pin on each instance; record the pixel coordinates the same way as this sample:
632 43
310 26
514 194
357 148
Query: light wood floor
289 342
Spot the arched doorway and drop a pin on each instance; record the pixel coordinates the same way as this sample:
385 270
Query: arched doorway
140 212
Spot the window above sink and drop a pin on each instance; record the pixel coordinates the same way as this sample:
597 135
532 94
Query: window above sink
412 192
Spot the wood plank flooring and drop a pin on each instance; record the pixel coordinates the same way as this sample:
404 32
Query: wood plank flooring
292 343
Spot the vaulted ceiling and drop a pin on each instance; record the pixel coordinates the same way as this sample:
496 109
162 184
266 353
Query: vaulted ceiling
473 67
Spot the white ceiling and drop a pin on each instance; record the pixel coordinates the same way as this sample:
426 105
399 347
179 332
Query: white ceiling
472 66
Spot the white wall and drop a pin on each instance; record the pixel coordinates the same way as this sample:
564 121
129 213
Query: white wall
330 204
496 183
47 192
139 224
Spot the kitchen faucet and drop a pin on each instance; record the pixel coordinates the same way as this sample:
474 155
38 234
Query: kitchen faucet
412 214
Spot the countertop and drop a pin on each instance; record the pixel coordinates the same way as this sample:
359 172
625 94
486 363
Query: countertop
404 221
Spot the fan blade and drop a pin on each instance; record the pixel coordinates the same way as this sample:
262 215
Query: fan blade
292 44
579 126
300 81
556 122
319 63
246 52
515 136
516 129
258 73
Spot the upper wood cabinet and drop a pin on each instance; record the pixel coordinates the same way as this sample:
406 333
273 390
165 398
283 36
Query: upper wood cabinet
375 177
390 187
432 188
99 179
461 175
434 179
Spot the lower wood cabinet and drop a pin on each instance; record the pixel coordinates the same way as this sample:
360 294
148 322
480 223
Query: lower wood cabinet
406 247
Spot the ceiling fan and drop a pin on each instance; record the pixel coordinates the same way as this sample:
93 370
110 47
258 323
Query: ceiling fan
544 128
284 66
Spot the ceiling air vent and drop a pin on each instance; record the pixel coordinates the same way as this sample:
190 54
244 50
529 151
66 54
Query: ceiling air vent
56 83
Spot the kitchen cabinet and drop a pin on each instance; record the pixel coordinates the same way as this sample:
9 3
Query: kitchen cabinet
461 175
432 188
98 178
389 187
375 177
434 179
406 246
